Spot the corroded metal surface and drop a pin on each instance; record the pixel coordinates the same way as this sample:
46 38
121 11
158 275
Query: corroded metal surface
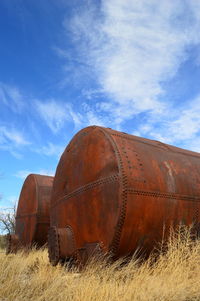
32 218
120 191
61 244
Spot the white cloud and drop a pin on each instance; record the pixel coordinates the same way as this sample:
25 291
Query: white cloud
133 48
57 114
54 114
76 117
91 93
136 46
51 150
22 174
12 140
11 97
180 126
9 148
11 135
93 119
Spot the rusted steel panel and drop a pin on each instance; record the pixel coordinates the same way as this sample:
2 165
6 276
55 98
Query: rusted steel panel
115 192
32 218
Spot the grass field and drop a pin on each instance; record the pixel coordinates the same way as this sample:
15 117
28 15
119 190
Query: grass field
174 276
2 241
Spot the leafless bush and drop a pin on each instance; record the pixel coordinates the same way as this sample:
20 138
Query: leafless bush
7 220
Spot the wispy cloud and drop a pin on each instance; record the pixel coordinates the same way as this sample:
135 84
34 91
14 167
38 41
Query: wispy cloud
56 114
51 150
133 48
95 119
12 140
52 113
12 135
180 126
12 97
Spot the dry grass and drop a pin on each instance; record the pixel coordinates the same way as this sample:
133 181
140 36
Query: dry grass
2 241
174 276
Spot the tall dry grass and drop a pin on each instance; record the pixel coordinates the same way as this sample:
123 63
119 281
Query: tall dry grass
2 241
173 276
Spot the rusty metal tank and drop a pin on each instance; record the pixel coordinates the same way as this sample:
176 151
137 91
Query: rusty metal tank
32 217
115 192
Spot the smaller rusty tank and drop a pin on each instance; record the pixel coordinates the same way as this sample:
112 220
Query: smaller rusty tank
32 218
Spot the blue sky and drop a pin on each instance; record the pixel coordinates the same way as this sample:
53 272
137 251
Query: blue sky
126 64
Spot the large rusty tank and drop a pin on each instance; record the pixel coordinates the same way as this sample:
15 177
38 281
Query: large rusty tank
32 217
115 192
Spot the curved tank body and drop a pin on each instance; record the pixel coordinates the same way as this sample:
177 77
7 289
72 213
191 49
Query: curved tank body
115 192
32 217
